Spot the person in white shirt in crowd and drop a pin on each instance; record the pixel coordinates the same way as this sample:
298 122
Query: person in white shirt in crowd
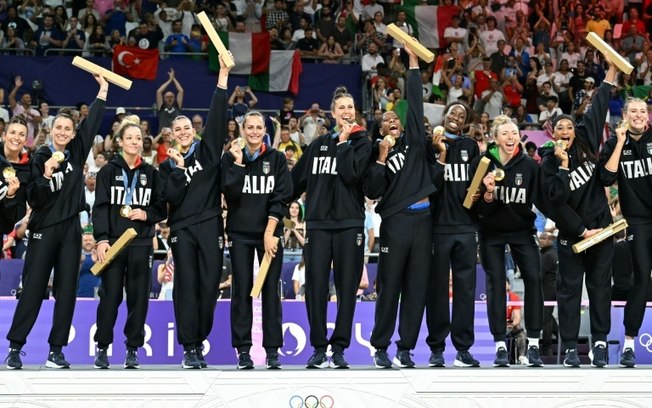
490 37
370 61
551 110
456 34
371 9
311 121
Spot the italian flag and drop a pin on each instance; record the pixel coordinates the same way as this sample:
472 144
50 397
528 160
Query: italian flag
429 22
268 71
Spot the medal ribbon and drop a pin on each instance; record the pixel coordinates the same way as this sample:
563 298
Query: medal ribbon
185 156
129 191
66 153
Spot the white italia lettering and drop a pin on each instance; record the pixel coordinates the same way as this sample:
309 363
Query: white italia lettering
324 165
637 168
3 191
456 172
395 163
190 171
258 184
581 175
142 196
56 182
508 195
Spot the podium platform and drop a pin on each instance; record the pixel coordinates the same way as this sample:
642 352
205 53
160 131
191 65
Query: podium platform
169 386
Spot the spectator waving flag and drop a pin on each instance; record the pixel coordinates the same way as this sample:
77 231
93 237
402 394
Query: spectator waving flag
269 71
429 22
135 62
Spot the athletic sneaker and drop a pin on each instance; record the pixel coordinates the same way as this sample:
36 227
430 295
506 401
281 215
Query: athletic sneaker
190 360
381 359
131 361
317 360
13 359
200 357
628 359
572 358
465 359
338 360
101 359
502 358
56 359
598 356
244 361
272 362
403 359
437 359
534 357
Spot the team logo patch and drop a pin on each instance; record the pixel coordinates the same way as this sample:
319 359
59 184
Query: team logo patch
384 250
629 152
266 167
649 148
220 242
119 178
143 180
519 179
229 244
323 148
465 155
358 240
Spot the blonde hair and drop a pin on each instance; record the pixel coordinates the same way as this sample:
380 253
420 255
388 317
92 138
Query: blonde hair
127 122
498 122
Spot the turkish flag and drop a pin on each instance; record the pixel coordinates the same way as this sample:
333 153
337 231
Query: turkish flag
135 62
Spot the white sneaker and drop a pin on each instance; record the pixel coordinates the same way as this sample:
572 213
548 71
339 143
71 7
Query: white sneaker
522 360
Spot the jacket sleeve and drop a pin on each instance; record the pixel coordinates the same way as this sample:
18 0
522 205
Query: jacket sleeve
280 197
39 192
232 179
301 169
414 130
157 210
102 205
353 159
591 128
556 192
481 207
216 127
174 183
82 144
607 177
376 182
12 209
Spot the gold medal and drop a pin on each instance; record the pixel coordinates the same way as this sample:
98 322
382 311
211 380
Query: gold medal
8 172
499 174
125 211
623 124
241 143
561 144
390 139
438 130
58 156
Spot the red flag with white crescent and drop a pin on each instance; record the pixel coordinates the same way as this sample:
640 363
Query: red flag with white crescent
135 62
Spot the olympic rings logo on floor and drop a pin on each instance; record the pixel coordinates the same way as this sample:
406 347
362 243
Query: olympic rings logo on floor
312 401
645 340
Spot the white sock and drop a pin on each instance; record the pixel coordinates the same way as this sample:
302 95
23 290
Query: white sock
600 343
629 343
500 344
533 342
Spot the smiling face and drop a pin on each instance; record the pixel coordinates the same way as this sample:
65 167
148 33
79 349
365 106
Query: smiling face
343 110
14 138
131 141
507 137
253 128
636 116
183 132
63 130
455 119
564 130
391 125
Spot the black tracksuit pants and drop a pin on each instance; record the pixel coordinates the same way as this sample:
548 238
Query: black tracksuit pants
345 249
525 251
198 252
131 270
242 261
459 253
639 237
403 272
58 247
595 262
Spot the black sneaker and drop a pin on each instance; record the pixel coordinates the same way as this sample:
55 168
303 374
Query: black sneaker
131 361
272 362
627 360
381 359
465 359
200 357
56 359
339 361
403 359
572 359
533 357
598 356
101 359
317 360
502 358
437 359
190 360
13 359
244 361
